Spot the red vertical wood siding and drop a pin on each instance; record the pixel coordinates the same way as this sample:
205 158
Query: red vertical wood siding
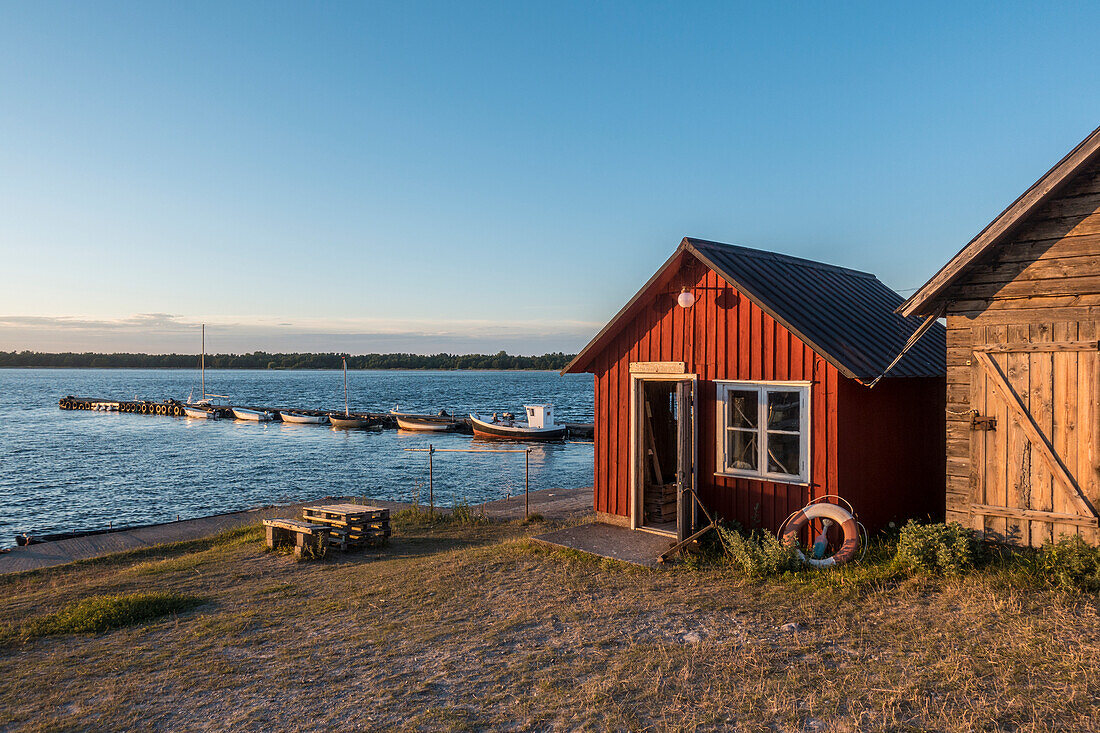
725 336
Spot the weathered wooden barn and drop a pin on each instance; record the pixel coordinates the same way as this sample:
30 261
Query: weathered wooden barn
743 375
1022 301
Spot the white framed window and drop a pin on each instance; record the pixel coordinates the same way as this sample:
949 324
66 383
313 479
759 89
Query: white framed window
764 430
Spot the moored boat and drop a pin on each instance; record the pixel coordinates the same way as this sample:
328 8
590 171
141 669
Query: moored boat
200 413
420 424
243 413
540 425
301 418
349 422
441 423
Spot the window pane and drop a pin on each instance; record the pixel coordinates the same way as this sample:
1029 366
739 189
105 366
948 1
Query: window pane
783 453
783 411
742 450
742 408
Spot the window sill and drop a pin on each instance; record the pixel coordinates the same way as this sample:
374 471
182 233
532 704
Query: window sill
764 479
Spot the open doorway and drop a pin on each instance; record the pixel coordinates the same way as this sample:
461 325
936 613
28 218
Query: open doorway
660 462
664 454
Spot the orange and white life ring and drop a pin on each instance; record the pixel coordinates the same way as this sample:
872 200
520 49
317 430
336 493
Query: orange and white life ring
846 520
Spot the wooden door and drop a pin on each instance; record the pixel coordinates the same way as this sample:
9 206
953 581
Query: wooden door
1033 425
685 473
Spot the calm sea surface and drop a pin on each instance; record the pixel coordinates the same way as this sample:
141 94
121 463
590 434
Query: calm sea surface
67 470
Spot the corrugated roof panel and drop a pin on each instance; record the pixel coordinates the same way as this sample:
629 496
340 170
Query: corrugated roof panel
846 315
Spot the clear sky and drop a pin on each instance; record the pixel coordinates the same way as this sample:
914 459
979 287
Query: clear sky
471 177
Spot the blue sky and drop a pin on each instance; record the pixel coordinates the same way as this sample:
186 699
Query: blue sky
471 177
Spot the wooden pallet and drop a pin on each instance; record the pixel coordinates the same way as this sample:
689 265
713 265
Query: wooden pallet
351 526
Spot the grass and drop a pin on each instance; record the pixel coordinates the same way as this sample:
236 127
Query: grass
98 614
467 625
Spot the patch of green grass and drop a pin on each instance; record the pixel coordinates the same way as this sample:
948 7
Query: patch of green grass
172 564
98 614
461 515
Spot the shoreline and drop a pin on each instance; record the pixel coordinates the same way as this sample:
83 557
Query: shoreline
557 502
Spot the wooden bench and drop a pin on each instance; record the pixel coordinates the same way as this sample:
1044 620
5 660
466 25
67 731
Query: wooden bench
305 537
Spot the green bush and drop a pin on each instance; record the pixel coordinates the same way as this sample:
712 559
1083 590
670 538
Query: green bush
936 549
1071 563
417 517
758 554
463 515
97 614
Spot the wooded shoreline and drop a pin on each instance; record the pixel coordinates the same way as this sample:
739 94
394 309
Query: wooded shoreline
265 360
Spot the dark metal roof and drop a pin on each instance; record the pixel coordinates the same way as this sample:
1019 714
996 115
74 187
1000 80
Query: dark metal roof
845 315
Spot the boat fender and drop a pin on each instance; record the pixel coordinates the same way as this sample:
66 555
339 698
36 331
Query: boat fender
830 512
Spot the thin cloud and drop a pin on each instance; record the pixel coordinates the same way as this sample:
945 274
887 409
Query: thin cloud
170 333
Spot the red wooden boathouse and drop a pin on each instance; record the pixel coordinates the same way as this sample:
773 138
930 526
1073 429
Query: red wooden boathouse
746 376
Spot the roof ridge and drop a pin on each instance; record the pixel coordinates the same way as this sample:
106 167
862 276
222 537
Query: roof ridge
779 256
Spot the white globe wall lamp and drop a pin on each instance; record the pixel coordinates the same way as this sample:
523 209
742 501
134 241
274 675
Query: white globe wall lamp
685 299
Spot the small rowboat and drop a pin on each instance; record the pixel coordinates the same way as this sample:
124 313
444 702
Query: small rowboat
441 423
199 413
243 413
419 424
539 426
349 422
300 418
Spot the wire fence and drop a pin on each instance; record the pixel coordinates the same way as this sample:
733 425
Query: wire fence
431 450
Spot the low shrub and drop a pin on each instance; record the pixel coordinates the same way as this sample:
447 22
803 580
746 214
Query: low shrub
1070 563
936 549
758 554
462 514
98 614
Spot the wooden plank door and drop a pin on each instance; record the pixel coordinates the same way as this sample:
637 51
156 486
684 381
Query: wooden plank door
685 474
1034 420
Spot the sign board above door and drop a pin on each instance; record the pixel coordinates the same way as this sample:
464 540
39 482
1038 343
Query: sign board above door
657 367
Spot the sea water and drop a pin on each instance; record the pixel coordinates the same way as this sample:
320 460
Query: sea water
66 470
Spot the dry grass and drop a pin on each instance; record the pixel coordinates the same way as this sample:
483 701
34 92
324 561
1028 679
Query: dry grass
469 626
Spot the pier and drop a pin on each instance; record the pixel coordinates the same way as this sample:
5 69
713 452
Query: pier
174 408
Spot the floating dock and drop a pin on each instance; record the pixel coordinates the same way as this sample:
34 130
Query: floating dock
174 408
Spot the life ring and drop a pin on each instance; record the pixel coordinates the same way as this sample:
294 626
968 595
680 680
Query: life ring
846 520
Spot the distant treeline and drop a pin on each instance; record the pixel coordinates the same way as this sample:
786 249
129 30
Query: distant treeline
264 360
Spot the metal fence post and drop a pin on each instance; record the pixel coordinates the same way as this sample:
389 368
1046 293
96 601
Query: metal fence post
431 480
527 484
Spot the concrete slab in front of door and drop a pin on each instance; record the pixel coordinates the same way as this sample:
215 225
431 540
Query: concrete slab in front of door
617 543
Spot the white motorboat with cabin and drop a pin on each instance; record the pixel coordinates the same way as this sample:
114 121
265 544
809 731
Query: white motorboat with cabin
539 425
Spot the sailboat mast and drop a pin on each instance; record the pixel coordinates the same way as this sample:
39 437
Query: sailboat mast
202 362
346 413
